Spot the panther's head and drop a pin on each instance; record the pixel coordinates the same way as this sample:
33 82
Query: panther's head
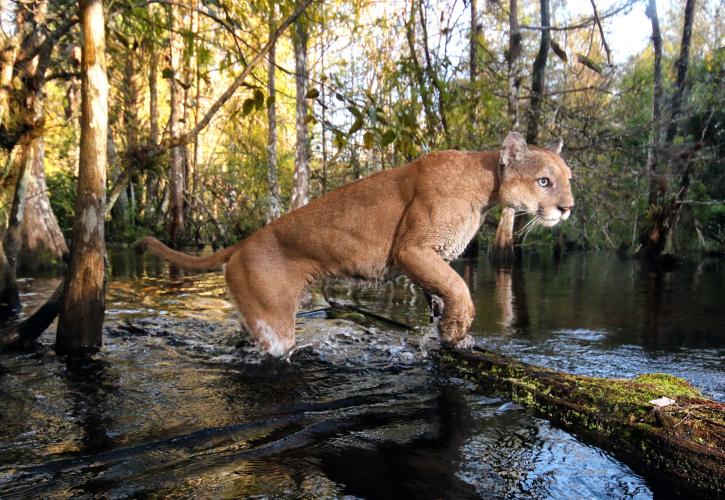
535 180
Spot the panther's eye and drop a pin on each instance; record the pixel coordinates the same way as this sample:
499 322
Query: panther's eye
544 182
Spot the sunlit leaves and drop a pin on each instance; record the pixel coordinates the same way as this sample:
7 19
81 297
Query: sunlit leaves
388 137
247 106
369 140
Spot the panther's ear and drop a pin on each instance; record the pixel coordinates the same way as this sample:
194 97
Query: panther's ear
514 148
556 145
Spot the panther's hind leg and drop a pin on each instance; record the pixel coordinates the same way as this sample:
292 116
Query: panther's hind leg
267 296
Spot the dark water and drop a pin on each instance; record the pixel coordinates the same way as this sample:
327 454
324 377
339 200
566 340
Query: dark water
179 405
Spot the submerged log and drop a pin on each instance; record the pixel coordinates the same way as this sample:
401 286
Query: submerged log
657 423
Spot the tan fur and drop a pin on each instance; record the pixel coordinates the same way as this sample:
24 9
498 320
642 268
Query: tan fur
409 220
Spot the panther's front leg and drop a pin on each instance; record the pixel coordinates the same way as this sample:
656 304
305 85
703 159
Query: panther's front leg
429 271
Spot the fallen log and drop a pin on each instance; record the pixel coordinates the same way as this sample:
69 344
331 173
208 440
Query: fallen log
24 334
656 423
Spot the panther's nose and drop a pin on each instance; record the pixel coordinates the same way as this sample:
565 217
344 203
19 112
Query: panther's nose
565 211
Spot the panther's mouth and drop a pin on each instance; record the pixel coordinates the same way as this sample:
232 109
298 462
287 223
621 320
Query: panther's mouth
549 222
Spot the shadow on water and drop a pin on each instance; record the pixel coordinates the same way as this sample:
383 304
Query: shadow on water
179 403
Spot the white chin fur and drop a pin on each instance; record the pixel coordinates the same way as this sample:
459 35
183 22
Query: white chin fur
549 222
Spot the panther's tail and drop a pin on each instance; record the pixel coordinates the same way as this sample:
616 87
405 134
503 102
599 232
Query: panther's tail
185 261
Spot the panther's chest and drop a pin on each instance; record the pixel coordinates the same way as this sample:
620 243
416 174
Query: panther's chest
454 238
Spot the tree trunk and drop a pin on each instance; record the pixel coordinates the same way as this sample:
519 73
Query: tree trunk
119 207
656 127
40 235
175 224
538 78
153 138
512 56
28 95
273 205
682 65
432 75
473 72
410 29
83 303
681 445
9 296
503 245
665 211
301 188
9 50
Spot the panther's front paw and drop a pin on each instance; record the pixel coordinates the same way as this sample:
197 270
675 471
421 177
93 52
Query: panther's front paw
465 342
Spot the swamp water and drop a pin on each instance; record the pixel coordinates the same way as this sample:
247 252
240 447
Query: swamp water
178 404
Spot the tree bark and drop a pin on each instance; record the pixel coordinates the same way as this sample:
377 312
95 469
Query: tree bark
153 137
28 95
657 237
503 245
656 126
273 204
175 224
9 295
682 66
538 78
432 74
473 72
410 29
118 202
83 303
40 233
301 187
9 51
512 56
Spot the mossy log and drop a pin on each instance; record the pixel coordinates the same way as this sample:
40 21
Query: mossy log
680 446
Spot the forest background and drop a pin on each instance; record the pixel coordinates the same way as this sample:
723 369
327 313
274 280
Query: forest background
223 115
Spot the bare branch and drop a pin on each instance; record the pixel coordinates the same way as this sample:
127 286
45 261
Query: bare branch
238 81
583 24
601 32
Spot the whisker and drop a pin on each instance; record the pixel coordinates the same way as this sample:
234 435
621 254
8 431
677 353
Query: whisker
526 226
530 228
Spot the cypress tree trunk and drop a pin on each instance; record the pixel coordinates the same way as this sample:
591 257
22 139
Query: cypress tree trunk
28 95
503 244
538 78
682 64
153 137
273 205
301 188
657 237
83 304
512 56
175 223
40 234
473 71
656 128
9 296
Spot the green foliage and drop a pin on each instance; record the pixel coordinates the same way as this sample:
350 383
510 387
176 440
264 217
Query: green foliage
62 194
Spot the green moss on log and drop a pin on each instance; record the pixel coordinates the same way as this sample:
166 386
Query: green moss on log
681 445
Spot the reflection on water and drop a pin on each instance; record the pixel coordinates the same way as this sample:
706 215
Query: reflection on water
179 403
